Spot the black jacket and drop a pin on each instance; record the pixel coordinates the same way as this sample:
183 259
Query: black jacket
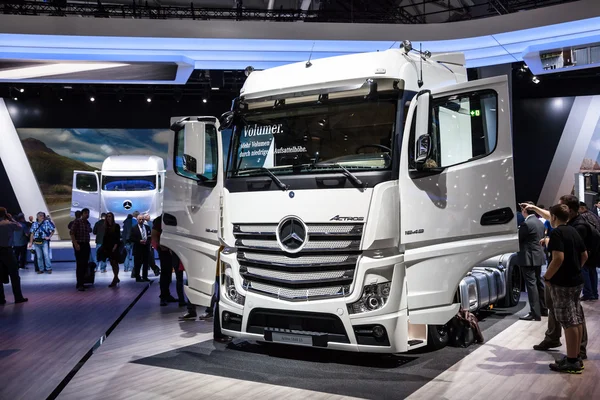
530 234
136 235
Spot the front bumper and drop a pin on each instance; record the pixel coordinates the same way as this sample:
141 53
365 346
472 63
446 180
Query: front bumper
327 321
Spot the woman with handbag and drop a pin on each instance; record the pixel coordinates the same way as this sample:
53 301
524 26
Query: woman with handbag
110 246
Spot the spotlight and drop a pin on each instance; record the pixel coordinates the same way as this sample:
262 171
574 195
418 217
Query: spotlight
92 99
204 101
525 66
149 94
120 94
15 98
21 90
535 80
178 94
60 99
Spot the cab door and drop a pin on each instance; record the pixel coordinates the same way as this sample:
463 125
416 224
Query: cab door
194 178
85 193
457 191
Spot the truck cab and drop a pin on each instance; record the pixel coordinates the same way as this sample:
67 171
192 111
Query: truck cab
124 185
357 193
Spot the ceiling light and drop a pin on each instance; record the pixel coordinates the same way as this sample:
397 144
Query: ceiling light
60 99
535 80
15 99
149 99
204 100
55 69
214 88
92 99
21 90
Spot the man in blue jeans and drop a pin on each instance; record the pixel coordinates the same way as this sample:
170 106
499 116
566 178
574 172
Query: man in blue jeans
41 233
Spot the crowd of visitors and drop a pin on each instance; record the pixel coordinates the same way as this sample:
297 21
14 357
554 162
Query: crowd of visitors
566 238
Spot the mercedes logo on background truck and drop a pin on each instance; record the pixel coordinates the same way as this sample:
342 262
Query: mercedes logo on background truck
127 204
292 234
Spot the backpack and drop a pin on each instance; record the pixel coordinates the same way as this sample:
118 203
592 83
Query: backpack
592 239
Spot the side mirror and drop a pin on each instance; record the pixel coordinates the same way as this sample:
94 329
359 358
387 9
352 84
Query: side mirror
423 127
226 120
194 141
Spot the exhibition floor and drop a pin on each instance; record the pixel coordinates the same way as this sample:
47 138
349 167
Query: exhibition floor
151 355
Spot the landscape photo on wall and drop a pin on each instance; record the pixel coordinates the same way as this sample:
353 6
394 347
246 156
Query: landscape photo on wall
55 153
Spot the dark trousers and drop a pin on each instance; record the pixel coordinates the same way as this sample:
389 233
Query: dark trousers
35 261
21 255
535 290
82 258
174 265
590 282
553 332
166 273
140 260
9 266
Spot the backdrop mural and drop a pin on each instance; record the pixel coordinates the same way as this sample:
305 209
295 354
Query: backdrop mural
55 153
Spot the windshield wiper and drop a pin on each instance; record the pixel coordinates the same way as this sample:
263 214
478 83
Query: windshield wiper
275 179
353 178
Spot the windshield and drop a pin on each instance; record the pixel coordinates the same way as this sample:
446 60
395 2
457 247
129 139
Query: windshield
317 137
128 183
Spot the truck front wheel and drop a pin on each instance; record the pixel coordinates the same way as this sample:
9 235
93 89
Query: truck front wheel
438 336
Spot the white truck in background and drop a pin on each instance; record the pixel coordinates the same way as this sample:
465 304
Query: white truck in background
364 200
126 183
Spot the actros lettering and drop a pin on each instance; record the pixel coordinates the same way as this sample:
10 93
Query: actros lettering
338 218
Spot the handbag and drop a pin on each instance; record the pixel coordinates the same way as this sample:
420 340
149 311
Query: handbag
122 251
38 241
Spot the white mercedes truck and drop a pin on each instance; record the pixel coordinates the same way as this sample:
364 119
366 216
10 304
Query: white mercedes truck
126 183
363 201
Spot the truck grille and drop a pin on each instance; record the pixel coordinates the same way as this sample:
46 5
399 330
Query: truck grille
324 268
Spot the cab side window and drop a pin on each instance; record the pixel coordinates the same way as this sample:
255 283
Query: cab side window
210 159
463 128
86 183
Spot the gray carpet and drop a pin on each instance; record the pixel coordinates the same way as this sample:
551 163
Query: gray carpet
349 374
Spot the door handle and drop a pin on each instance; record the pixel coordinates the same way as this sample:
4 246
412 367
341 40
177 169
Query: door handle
500 216
169 219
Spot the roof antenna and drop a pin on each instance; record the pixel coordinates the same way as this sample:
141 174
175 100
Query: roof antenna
420 81
308 63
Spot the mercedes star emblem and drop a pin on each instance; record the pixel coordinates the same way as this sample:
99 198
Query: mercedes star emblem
127 205
292 234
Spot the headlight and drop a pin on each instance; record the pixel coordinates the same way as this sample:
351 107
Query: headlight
228 285
374 297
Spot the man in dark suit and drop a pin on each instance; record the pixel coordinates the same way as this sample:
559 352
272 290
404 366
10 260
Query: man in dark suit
530 260
140 237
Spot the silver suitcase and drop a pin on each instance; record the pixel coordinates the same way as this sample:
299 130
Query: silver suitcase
468 294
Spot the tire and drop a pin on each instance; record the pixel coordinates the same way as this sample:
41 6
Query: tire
513 287
438 336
